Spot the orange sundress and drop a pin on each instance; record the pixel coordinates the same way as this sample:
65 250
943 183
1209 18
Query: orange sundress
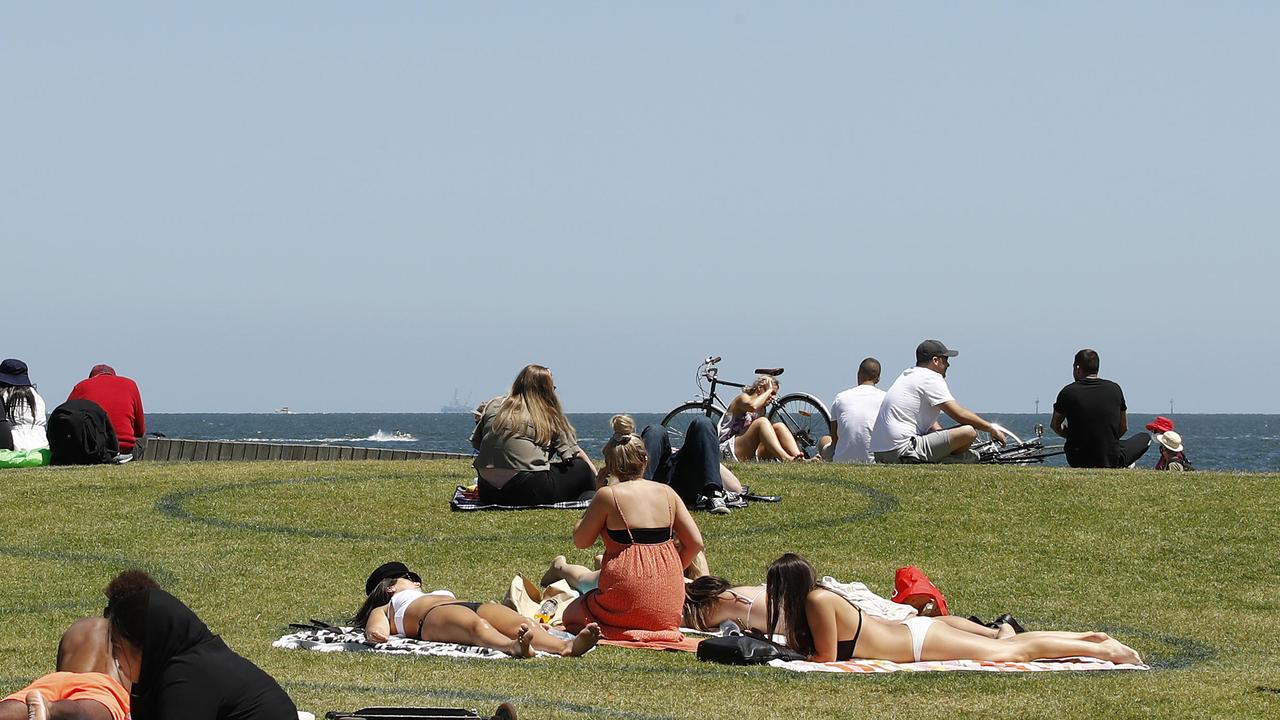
641 594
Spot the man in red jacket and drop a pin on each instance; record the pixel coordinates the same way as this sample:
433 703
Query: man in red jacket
119 397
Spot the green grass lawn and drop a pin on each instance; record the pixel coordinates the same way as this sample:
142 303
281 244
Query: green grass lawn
1182 567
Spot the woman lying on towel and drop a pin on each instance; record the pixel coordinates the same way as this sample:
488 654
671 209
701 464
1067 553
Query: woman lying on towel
641 578
825 627
396 605
710 601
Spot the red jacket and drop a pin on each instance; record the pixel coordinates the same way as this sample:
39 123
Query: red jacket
119 397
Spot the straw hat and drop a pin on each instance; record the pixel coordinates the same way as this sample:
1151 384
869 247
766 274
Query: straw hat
1170 441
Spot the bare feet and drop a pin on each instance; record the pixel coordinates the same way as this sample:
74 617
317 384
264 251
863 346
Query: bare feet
1005 631
584 641
555 572
37 706
522 646
1121 653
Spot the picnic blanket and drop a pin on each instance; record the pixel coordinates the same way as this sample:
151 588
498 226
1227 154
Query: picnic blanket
885 666
468 499
346 639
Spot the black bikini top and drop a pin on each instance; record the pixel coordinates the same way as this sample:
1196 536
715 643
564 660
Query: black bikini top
640 536
846 648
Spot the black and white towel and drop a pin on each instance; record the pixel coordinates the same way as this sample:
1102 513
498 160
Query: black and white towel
345 639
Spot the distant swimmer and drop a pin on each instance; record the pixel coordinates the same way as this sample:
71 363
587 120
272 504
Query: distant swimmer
1091 414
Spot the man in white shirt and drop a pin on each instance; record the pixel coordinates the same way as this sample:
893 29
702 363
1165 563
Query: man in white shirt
907 429
854 414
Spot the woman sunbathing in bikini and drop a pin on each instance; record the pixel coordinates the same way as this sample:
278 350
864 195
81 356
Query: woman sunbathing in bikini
825 627
710 601
396 605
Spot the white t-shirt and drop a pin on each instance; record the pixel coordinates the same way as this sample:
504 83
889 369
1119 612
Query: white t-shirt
855 413
909 408
28 426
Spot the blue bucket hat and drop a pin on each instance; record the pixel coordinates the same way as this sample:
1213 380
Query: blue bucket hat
14 372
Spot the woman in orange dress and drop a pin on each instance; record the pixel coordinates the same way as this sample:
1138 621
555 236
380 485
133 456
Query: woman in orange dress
641 593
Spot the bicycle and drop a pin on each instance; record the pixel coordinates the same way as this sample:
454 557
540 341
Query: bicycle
1015 451
803 414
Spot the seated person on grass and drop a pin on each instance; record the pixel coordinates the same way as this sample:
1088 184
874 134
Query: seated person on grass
641 579
753 436
395 604
86 686
826 627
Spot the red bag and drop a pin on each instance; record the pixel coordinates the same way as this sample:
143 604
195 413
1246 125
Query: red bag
912 587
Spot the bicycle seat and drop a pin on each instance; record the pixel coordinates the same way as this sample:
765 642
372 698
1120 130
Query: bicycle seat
774 372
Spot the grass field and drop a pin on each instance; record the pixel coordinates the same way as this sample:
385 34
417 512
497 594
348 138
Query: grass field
1182 567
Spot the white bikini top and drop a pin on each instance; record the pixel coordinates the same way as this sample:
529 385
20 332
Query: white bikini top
750 603
401 601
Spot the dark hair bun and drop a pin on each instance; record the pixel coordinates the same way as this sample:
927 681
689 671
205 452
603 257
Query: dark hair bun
129 583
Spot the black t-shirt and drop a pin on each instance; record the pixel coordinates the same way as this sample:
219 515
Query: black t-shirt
1093 408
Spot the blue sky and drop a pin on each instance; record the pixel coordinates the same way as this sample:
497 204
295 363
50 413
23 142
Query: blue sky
361 207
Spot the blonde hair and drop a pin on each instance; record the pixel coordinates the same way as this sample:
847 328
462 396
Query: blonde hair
762 383
533 410
624 455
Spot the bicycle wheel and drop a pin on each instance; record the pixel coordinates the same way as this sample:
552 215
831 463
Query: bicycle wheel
806 417
677 421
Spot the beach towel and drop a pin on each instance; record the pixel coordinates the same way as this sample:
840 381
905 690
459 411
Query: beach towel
468 498
688 644
885 666
346 639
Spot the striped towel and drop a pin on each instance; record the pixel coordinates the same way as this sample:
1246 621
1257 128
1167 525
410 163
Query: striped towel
885 666
468 498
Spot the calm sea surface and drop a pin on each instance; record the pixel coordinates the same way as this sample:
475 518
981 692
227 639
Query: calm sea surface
1249 443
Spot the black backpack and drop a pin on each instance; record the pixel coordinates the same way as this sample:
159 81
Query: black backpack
80 433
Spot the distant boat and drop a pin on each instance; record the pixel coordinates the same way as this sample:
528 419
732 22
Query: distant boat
457 406
284 411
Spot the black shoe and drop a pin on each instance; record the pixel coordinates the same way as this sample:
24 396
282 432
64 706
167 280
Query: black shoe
1007 619
977 620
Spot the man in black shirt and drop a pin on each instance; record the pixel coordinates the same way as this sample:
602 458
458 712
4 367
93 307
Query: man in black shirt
1090 414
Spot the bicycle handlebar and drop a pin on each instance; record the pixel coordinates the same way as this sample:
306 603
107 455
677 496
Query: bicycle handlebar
711 360
1010 437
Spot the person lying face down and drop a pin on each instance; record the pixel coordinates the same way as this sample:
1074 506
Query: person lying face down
825 627
395 604
87 684
710 601
178 668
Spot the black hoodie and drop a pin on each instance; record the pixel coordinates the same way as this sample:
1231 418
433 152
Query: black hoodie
189 673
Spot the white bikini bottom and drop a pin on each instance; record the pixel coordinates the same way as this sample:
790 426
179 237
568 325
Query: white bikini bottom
919 627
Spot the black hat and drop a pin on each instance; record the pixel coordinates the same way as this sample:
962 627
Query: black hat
389 570
14 372
930 349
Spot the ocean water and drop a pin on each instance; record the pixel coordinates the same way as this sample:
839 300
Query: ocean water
1245 443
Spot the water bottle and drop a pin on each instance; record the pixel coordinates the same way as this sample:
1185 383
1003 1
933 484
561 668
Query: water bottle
729 627
547 610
